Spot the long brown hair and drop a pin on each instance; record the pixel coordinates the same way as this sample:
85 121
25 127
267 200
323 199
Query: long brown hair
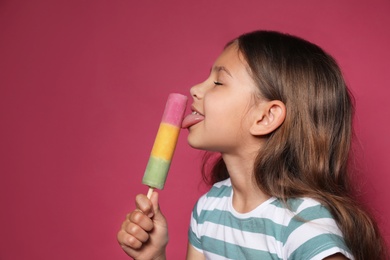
308 155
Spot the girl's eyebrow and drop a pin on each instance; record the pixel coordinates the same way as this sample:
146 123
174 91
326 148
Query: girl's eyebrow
221 68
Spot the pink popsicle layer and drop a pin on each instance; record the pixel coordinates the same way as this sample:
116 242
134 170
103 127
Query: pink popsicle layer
174 109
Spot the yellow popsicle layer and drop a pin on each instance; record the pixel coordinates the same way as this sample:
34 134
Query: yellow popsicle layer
165 142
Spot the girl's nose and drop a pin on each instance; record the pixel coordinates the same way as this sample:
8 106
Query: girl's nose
197 91
194 91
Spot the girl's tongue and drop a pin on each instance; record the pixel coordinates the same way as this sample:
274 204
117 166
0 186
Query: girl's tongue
191 120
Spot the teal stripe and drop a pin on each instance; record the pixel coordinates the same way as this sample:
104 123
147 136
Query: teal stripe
194 240
317 245
306 215
232 251
315 212
292 204
195 212
220 192
253 225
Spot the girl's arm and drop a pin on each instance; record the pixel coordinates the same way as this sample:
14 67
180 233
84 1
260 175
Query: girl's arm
193 254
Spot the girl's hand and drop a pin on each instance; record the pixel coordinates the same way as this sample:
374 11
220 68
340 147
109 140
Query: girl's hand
144 233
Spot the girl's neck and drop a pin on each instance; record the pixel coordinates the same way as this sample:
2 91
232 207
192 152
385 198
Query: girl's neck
246 194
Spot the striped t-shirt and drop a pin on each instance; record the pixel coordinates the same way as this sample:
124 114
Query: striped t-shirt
271 231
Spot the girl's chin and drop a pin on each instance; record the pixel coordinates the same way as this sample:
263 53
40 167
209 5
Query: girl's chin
196 144
201 146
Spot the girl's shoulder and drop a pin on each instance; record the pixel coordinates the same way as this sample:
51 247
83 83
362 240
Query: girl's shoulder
297 211
299 205
220 189
218 194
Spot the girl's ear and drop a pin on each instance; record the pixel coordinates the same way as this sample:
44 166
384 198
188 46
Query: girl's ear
268 115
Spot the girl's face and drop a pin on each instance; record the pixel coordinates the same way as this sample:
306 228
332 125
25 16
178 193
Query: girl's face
222 105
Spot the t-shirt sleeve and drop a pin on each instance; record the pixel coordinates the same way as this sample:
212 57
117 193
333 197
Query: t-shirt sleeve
314 234
193 231
320 247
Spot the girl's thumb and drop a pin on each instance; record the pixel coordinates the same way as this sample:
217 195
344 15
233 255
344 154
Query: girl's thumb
157 215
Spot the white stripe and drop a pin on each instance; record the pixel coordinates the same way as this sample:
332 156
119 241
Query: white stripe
226 182
332 251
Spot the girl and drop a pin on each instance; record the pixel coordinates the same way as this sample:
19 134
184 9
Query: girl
277 111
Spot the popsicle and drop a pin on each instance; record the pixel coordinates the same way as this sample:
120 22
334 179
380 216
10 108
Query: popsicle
165 143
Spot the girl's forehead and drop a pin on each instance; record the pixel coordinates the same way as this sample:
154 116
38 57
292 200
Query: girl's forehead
231 59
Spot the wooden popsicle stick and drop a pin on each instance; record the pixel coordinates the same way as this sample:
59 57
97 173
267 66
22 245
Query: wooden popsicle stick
150 191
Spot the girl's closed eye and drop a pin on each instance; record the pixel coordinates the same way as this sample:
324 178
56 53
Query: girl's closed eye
218 83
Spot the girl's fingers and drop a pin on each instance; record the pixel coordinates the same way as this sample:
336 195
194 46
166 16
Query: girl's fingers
137 232
127 240
141 220
135 229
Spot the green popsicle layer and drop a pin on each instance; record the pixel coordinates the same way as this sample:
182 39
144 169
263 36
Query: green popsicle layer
156 172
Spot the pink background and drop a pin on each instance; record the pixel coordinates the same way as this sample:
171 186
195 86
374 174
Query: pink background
82 90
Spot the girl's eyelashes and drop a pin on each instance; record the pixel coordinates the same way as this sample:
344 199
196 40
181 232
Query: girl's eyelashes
218 83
